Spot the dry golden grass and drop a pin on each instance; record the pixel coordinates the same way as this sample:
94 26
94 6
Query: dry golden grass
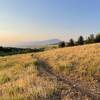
21 77
79 63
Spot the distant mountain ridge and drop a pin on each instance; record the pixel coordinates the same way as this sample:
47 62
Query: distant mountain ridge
38 43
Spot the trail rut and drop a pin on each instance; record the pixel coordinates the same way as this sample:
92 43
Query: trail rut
45 68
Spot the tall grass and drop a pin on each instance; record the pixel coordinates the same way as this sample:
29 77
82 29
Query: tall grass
80 63
21 80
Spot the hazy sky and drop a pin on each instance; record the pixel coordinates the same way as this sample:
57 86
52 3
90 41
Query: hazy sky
27 20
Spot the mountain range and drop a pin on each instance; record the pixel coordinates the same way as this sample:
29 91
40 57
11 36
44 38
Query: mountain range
33 44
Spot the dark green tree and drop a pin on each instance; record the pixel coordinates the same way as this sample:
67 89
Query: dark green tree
71 42
80 40
1 48
90 39
97 39
62 44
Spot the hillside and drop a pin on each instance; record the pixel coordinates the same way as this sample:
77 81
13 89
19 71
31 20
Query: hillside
58 74
80 65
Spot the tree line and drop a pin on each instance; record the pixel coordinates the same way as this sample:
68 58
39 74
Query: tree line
81 41
4 51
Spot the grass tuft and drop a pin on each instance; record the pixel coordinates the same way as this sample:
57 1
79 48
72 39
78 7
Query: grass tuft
4 78
35 62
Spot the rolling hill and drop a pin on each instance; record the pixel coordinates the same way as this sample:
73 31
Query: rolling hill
58 74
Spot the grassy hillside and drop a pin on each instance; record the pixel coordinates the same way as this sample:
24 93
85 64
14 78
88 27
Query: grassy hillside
37 76
79 64
20 79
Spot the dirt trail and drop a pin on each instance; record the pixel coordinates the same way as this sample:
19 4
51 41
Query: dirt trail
75 87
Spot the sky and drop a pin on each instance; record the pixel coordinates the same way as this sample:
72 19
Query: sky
32 20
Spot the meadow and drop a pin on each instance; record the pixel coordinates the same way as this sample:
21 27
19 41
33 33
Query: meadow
43 75
79 63
20 79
